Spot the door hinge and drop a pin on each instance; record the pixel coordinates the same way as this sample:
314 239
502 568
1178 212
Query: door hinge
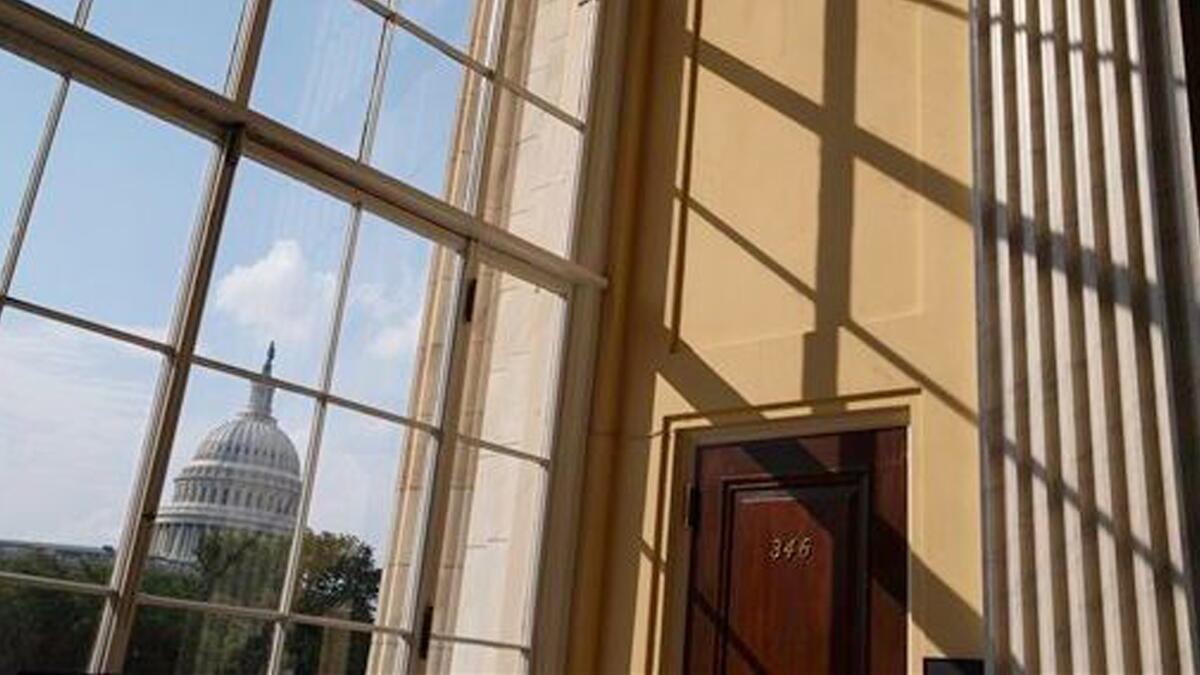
426 634
691 514
469 301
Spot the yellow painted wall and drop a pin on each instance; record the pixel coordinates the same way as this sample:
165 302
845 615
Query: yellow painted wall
791 238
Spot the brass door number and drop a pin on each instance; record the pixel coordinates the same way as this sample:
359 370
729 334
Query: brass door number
791 548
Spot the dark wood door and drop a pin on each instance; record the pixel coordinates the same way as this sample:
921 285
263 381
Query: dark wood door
799 556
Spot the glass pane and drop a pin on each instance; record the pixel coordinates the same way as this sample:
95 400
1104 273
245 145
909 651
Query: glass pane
275 275
46 631
463 23
71 434
316 650
367 505
550 50
531 186
396 325
22 120
489 556
316 68
63 9
512 366
182 641
425 119
194 39
229 505
455 657
120 196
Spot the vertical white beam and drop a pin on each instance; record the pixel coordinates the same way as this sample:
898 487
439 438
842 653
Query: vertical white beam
1069 360
1086 525
1042 401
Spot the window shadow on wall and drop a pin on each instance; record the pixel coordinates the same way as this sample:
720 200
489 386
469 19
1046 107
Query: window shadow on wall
662 256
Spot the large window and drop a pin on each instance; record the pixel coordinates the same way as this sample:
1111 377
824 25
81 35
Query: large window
285 301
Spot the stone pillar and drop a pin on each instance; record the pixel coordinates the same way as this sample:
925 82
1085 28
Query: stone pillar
1087 259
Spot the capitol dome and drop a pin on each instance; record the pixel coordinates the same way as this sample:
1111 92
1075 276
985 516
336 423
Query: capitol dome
250 439
245 475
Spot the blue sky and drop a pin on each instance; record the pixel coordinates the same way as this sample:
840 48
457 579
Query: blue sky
109 237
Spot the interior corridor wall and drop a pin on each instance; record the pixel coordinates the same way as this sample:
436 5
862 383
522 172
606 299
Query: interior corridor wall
792 238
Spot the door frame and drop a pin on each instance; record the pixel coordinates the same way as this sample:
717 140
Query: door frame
678 564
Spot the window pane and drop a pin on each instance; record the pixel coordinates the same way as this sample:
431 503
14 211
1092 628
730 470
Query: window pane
388 654
195 39
463 23
22 120
424 120
455 657
393 329
275 275
316 650
120 196
46 631
182 641
316 68
367 505
71 435
64 9
550 50
228 508
406 530
491 545
512 366
531 188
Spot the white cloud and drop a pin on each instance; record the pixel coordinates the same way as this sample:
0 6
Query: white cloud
373 299
394 340
277 296
393 319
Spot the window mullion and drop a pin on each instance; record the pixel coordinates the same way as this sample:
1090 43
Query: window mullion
437 504
113 635
244 65
38 170
493 114
292 571
378 83
116 625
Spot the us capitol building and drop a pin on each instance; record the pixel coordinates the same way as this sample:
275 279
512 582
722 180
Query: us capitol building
245 475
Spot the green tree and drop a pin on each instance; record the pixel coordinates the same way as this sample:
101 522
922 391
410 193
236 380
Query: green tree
49 629
338 578
53 630
45 629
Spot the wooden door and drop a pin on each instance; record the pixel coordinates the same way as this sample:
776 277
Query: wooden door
799 556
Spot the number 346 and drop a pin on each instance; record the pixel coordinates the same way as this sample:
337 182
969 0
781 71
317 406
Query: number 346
790 548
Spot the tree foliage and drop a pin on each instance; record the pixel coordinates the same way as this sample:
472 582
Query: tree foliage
53 630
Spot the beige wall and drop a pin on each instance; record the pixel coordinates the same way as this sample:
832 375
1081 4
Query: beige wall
792 238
